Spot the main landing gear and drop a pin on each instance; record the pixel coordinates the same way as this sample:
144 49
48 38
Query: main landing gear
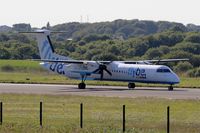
82 85
170 88
131 86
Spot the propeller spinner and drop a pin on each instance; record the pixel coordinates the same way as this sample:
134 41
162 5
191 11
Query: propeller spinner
100 70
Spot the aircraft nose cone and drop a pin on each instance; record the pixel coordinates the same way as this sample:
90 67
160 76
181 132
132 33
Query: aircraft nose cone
176 79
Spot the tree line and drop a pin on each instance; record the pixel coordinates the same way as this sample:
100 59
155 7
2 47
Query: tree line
176 42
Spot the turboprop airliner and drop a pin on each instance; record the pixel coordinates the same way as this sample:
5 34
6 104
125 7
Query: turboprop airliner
145 71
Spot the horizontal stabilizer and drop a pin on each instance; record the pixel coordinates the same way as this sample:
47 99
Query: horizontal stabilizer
71 61
43 31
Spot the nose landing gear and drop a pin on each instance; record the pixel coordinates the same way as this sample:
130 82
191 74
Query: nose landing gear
170 88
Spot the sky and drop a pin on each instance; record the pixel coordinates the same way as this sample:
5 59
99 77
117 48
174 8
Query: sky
39 12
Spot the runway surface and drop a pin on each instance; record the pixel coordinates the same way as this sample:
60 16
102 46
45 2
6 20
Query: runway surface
108 91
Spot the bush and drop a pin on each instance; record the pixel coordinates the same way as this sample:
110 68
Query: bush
197 73
105 57
195 38
183 67
4 54
194 72
7 68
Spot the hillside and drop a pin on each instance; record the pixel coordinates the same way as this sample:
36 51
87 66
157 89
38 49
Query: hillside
117 40
119 29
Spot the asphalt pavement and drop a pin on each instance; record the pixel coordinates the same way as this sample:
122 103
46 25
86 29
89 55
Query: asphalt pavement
107 91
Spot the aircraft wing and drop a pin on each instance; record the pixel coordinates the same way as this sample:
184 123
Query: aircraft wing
107 62
83 72
154 61
166 60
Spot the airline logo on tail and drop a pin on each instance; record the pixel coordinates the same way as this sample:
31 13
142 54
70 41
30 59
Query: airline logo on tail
46 50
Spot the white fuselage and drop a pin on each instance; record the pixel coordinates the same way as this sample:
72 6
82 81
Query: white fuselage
143 72
120 72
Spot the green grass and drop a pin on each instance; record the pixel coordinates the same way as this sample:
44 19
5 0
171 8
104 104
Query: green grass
44 77
61 114
189 82
25 71
22 65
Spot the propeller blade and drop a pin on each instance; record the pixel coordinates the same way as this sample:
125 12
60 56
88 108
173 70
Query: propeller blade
100 70
101 74
108 72
95 71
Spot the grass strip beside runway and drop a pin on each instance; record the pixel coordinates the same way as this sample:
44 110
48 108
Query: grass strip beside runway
101 114
25 71
44 77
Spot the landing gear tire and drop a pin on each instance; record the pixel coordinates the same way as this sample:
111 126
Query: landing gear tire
131 86
81 85
170 88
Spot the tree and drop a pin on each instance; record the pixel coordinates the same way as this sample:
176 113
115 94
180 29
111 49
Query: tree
194 38
178 54
183 67
22 27
140 48
20 37
4 37
164 49
113 49
4 54
179 28
105 57
48 26
26 52
95 37
153 53
194 72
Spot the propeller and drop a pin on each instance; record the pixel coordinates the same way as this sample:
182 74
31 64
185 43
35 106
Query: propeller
100 70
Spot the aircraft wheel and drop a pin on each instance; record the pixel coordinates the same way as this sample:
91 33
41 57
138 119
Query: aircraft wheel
131 86
81 85
170 88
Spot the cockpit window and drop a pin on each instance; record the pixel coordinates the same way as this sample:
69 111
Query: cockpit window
163 70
